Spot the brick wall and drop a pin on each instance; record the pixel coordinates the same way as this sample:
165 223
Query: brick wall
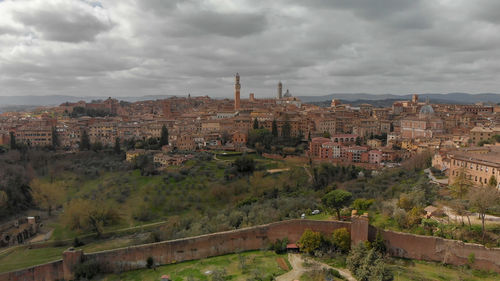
441 250
44 272
259 237
209 245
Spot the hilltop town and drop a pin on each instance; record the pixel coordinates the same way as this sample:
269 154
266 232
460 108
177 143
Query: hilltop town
366 135
109 174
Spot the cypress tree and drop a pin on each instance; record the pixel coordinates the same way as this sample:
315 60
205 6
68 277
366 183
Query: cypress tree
12 141
55 138
84 141
164 136
286 130
117 147
275 129
255 124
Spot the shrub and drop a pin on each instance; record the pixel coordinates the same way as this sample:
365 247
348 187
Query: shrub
150 262
471 259
87 270
414 216
367 265
400 217
244 164
362 204
379 244
77 243
309 241
342 239
279 246
219 275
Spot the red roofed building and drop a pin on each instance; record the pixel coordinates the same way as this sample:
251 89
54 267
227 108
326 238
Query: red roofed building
315 146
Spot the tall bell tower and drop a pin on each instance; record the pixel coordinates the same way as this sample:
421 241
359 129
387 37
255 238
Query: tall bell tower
237 88
280 90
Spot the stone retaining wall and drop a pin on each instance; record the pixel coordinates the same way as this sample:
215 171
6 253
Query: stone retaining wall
254 238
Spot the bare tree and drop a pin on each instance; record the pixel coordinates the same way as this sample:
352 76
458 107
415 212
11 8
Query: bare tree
483 199
461 185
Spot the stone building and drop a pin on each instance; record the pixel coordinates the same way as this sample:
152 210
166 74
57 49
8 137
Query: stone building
34 135
480 164
479 134
426 125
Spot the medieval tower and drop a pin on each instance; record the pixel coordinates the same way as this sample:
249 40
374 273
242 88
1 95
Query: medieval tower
237 88
280 90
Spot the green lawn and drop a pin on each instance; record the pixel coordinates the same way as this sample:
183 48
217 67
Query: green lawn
316 275
323 216
428 271
261 264
25 257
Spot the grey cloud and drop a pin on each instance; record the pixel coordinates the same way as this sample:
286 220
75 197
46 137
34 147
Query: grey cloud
195 46
224 24
62 25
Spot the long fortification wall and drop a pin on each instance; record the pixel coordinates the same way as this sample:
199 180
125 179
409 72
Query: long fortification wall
209 245
398 244
198 247
44 272
441 250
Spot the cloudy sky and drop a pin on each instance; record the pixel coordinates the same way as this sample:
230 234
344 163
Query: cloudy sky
316 47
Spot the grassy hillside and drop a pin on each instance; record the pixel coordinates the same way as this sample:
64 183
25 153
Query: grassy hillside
406 270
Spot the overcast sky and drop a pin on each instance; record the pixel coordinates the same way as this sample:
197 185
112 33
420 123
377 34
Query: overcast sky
316 47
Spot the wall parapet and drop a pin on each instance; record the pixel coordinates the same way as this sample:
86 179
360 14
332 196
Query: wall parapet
399 244
431 248
47 271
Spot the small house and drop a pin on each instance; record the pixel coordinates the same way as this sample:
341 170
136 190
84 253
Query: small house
292 248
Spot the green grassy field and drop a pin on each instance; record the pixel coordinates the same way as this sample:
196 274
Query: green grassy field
25 257
261 264
406 270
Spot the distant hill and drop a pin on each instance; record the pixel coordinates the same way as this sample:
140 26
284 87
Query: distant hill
455 98
58 99
377 102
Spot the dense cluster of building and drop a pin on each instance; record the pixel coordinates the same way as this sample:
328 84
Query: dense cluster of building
341 132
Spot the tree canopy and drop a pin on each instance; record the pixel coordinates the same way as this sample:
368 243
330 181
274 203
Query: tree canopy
336 200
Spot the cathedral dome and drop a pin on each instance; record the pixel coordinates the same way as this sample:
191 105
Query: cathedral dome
426 111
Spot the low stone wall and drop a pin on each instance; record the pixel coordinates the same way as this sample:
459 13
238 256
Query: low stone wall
441 250
44 272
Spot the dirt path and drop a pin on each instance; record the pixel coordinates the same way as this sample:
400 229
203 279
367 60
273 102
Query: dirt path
473 217
42 237
297 263
274 171
308 173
